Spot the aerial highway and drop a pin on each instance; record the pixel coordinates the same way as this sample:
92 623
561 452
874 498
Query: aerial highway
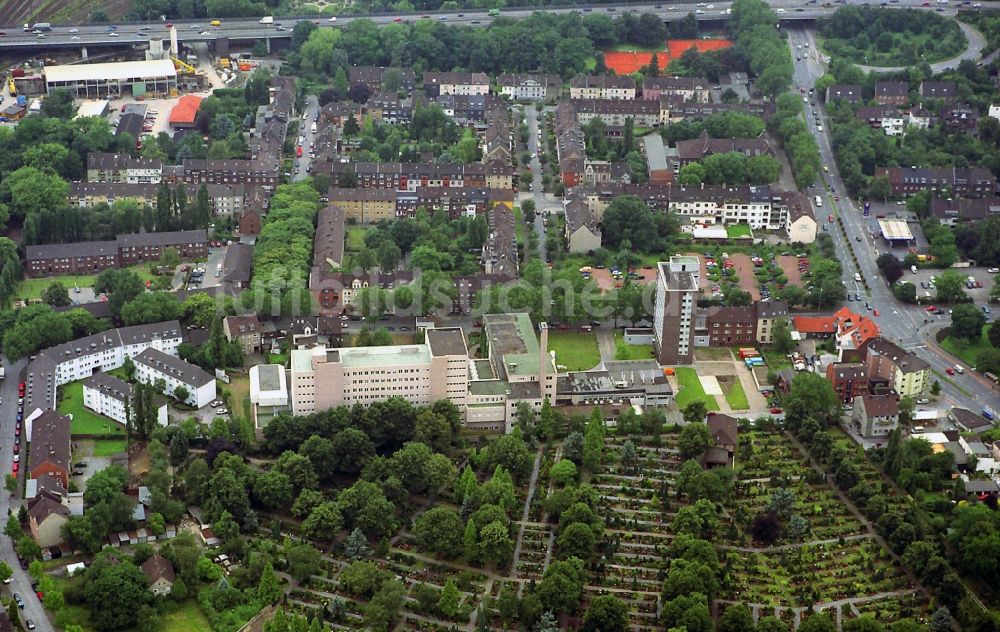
14 38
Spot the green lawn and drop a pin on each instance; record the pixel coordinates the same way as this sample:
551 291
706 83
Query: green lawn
734 231
277 358
187 618
578 352
631 352
110 447
84 420
355 238
30 289
519 227
691 390
737 397
775 361
966 351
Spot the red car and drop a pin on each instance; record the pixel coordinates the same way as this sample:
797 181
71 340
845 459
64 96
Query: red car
875 312
949 371
776 411
14 469
931 308
829 217
17 447
836 198
398 20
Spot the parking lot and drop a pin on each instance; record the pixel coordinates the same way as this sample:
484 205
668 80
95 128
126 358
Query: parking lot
980 295
745 272
789 265
606 281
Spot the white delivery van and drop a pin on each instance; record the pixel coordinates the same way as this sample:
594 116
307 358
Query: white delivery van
819 201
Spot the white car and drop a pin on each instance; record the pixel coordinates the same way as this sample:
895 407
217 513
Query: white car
216 402
75 37
993 270
221 411
333 18
779 10
74 30
17 458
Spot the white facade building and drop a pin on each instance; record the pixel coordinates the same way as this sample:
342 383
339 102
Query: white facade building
109 396
152 365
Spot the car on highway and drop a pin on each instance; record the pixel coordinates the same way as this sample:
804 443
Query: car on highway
74 30
397 19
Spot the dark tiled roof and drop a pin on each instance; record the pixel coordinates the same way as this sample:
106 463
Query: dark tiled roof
158 567
182 371
49 441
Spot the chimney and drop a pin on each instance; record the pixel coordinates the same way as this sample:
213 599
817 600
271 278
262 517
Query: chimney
543 355
174 49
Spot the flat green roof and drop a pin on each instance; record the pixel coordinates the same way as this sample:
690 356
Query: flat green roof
489 387
513 337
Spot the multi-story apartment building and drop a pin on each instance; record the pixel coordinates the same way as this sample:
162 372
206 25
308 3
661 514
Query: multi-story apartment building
601 87
140 247
529 87
375 78
152 365
849 379
850 92
81 358
907 374
328 241
107 395
673 313
407 176
322 378
875 416
499 255
614 112
687 88
582 234
464 83
750 325
946 90
571 144
87 257
953 210
49 443
957 181
225 199
199 170
366 206
108 167
696 149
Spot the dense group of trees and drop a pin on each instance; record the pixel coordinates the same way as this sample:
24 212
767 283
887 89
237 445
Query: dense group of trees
731 168
789 126
874 36
39 326
752 28
283 253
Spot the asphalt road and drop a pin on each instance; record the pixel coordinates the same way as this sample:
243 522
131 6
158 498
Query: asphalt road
908 325
21 583
542 200
250 29
301 164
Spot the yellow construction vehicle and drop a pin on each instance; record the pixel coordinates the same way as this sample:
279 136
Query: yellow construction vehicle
11 87
224 62
183 67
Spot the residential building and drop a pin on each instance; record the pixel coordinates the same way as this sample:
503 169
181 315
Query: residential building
697 149
692 110
328 242
159 572
225 199
956 181
875 416
950 211
366 206
463 83
601 87
529 87
49 443
185 112
892 93
961 118
571 145
499 254
388 108
769 313
408 176
615 112
938 90
231 171
800 219
374 78
86 257
107 167
152 365
673 313
724 431
110 396
81 358
236 266
908 374
322 378
142 247
849 379
582 234
849 92
46 518
246 329
687 88
747 326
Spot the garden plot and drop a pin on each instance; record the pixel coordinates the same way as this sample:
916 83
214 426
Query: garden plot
813 574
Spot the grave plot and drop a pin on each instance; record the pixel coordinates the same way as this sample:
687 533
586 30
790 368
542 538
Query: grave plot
891 609
767 454
818 505
534 544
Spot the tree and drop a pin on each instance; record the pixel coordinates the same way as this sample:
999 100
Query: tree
563 472
737 618
383 609
268 589
56 295
323 522
949 286
577 540
59 104
695 438
628 218
905 292
303 560
448 604
116 593
782 337
606 613
967 322
439 530
495 543
819 622
562 585
935 388
890 267
356 546
766 528
695 412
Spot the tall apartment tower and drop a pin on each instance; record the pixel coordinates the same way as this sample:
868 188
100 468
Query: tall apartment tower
673 313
